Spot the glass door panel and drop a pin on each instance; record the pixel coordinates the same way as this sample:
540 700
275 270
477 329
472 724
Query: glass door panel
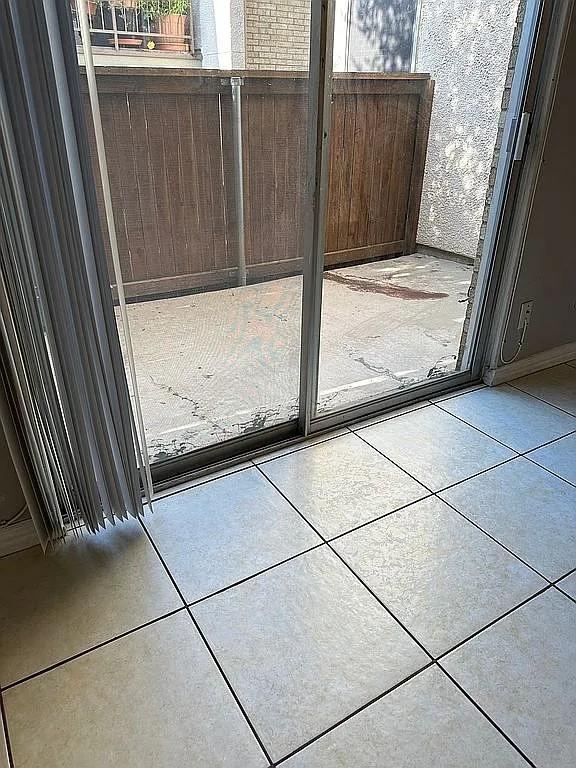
419 98
204 116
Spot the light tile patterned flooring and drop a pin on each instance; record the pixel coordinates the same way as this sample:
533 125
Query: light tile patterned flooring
399 593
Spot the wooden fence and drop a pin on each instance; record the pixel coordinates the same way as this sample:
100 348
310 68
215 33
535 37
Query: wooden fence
169 146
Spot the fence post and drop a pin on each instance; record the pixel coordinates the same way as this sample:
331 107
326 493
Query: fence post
236 85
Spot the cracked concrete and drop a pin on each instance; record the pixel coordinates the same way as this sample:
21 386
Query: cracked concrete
217 365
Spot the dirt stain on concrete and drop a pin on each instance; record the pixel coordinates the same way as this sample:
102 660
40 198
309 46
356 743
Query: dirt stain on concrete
388 289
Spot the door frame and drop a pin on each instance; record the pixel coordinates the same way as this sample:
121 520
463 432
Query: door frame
539 56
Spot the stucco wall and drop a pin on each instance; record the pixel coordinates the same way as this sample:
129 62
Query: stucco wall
373 35
465 45
219 33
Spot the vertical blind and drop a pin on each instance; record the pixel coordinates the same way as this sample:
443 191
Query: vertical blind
62 360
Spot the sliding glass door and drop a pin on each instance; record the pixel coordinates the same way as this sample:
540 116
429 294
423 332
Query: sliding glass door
422 131
205 136
296 239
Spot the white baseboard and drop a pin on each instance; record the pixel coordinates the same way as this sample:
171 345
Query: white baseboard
18 536
563 354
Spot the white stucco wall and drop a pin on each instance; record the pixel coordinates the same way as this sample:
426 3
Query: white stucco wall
219 31
465 45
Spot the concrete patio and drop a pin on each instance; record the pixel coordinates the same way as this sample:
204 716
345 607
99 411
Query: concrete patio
213 366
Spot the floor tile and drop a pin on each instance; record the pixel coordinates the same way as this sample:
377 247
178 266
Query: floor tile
298 446
224 531
153 698
441 576
425 722
88 591
389 415
342 483
525 508
555 385
304 645
514 418
450 395
522 672
572 363
434 447
203 479
559 457
568 585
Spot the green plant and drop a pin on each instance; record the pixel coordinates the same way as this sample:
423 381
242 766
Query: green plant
155 9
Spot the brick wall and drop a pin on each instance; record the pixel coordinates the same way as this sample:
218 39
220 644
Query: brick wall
277 34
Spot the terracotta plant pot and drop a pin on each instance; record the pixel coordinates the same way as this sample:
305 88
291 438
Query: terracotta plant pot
92 6
174 27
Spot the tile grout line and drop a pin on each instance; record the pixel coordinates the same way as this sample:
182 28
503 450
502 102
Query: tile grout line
550 472
491 623
357 711
209 648
495 540
537 397
92 648
203 599
433 660
500 730
335 552
559 589
4 719
486 434
435 494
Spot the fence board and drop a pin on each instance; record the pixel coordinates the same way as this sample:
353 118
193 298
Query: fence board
170 152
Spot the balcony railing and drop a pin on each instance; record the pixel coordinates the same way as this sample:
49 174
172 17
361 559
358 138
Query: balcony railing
137 25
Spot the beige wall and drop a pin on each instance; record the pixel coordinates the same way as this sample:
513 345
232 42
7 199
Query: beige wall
548 271
277 34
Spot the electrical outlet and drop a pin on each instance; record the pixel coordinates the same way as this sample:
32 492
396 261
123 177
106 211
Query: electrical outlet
525 314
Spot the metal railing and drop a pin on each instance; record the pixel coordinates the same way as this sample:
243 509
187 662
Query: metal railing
121 25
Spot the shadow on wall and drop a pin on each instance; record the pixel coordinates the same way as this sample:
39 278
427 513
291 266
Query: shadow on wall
380 35
466 47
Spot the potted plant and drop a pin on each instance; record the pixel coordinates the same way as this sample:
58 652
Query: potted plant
92 6
170 17
127 22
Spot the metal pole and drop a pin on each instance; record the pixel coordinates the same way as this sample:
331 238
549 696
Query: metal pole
103 166
236 85
319 108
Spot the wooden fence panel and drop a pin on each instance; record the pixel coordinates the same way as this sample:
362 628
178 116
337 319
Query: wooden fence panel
274 155
170 153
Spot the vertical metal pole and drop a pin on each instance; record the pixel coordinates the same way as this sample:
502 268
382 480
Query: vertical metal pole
319 108
236 84
103 166
114 25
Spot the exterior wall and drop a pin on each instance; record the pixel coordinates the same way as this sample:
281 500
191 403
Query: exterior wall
374 36
492 176
219 33
465 45
277 34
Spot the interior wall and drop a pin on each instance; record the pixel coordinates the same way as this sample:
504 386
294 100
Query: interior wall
11 494
548 270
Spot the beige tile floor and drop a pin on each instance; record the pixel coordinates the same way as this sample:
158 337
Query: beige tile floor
399 593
